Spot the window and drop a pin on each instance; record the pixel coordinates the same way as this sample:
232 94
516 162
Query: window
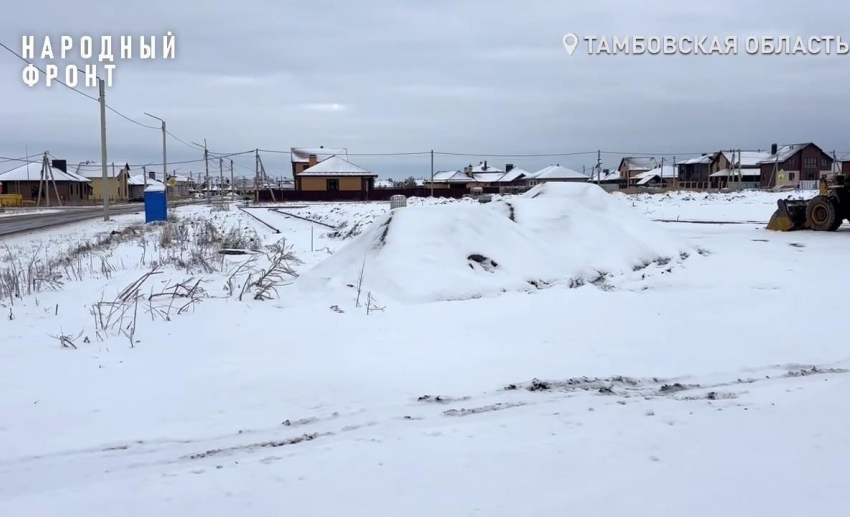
824 162
332 184
791 176
811 163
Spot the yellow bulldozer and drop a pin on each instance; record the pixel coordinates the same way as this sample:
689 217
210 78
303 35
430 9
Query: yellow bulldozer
825 212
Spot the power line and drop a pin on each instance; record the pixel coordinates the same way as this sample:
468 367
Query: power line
536 155
416 153
25 60
25 159
110 108
187 144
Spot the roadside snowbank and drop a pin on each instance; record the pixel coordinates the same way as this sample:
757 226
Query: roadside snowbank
555 234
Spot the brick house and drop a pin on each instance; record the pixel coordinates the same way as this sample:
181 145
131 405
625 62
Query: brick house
794 165
694 172
26 181
335 174
631 166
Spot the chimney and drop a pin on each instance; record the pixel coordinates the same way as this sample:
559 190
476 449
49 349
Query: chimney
773 148
152 175
509 167
485 165
312 160
62 165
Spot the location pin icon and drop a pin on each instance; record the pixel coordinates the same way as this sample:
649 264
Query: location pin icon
570 42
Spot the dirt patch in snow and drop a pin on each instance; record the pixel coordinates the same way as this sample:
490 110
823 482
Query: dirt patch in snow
487 264
499 406
254 446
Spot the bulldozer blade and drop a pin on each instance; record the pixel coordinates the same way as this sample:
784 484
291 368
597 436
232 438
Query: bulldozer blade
790 215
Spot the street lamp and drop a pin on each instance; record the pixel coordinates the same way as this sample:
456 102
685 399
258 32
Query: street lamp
164 165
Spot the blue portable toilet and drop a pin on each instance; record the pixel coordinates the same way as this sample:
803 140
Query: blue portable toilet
156 207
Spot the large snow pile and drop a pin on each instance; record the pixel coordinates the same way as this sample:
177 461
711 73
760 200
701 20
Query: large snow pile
555 234
432 253
585 225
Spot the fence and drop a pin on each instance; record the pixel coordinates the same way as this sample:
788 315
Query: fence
381 194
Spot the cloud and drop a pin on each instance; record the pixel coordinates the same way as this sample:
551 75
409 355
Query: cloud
327 107
464 76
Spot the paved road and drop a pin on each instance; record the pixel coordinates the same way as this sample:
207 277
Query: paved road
23 223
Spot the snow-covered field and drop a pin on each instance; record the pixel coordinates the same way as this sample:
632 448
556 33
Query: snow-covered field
701 374
745 206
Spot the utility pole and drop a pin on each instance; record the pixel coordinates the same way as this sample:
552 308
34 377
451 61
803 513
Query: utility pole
231 179
207 167
42 180
661 175
432 173
598 166
145 173
104 192
256 175
164 162
220 177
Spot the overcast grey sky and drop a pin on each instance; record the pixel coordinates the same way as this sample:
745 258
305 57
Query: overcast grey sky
402 76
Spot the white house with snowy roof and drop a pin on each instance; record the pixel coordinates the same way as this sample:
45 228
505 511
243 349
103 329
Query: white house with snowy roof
555 173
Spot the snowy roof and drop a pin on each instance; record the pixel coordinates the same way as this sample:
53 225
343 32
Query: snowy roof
705 158
668 171
443 176
493 175
302 154
640 163
384 184
139 179
611 176
481 167
513 175
34 173
557 172
336 166
155 187
747 158
744 172
783 153
487 177
460 177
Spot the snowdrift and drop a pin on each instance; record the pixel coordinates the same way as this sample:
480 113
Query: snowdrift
434 253
586 226
554 234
